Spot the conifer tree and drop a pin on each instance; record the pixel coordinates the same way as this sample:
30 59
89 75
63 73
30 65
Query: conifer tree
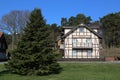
33 55
110 25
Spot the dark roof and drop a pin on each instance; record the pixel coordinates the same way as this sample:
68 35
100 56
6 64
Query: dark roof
2 39
81 25
68 27
94 27
90 26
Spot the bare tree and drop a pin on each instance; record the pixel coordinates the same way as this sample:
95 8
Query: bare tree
14 22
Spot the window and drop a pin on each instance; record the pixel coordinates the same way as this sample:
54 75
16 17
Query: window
74 42
81 29
74 53
89 42
89 52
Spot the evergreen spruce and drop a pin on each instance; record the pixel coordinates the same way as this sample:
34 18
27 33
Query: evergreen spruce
33 55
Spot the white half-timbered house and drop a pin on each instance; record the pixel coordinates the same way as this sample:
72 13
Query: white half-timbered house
80 42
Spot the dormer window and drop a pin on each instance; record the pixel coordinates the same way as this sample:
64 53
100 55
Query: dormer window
81 30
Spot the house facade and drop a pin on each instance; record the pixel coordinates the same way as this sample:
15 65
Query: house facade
3 47
80 42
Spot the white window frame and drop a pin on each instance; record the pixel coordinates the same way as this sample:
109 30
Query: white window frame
74 53
89 53
74 42
89 42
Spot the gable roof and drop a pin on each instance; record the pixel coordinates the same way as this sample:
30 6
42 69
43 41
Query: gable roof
2 39
94 27
81 25
1 33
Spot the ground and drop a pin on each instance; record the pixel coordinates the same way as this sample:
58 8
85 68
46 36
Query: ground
73 71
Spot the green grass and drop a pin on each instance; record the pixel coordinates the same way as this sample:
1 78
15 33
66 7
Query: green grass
73 71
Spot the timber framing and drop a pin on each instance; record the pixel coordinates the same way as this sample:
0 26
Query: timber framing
78 44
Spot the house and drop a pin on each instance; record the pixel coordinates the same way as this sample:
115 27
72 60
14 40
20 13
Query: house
3 47
80 42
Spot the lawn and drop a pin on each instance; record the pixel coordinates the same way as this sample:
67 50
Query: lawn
73 71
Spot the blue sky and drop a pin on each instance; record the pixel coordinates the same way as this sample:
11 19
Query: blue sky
54 10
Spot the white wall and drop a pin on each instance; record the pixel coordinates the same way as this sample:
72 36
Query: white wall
66 31
81 38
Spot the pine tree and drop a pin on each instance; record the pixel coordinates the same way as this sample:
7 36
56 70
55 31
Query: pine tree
111 29
33 55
